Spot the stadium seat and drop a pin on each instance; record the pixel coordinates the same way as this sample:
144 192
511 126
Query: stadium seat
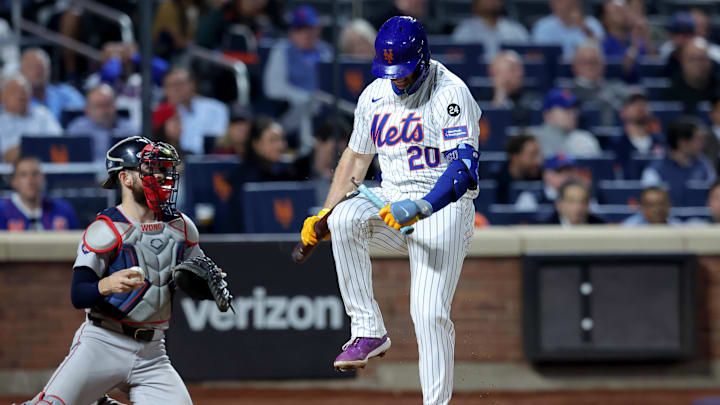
607 136
58 149
546 55
507 214
277 207
613 214
355 75
486 196
493 126
600 168
638 163
536 189
490 163
207 182
619 192
87 202
666 111
445 50
696 194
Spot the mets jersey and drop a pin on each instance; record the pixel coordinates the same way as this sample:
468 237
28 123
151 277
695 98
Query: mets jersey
410 132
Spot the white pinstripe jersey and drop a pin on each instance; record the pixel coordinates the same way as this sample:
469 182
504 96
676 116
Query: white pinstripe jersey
410 132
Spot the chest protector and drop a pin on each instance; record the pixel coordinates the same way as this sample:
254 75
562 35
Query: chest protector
156 247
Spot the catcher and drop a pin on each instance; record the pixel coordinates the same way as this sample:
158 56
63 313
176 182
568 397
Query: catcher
127 266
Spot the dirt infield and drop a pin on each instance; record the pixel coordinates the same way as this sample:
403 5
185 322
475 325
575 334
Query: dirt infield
217 396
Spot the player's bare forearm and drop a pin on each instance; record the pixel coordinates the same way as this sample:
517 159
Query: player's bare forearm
352 164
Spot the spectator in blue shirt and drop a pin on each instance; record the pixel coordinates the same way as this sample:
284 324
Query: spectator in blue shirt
291 73
101 121
627 37
654 209
566 26
641 135
683 161
200 116
27 208
35 66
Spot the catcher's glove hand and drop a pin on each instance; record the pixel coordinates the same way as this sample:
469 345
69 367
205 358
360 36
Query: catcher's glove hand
202 279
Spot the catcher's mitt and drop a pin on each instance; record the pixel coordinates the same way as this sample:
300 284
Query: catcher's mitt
201 279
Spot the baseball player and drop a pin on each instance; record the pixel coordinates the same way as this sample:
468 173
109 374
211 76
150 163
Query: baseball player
422 122
122 277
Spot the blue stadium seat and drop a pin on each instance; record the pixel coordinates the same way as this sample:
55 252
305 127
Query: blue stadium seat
696 194
505 214
600 168
207 181
607 136
355 75
535 188
278 207
58 149
619 192
545 57
493 126
691 214
445 50
666 111
655 87
652 67
638 163
486 196
613 214
87 202
491 162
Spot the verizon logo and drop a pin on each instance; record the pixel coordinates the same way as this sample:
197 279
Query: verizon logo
151 227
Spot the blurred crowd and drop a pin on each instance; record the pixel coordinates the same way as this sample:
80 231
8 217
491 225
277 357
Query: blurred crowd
290 130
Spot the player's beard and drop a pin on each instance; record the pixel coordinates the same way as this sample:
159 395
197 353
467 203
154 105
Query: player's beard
138 192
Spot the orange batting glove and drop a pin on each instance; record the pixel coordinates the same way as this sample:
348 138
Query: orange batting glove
390 221
307 235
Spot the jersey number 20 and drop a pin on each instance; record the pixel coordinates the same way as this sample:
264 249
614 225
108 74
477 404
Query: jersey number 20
417 153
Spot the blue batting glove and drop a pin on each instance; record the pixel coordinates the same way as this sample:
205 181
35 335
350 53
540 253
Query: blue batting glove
404 211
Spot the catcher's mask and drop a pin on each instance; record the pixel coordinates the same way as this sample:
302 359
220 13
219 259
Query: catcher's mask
156 163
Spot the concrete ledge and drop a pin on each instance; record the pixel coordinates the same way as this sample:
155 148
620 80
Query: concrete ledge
498 241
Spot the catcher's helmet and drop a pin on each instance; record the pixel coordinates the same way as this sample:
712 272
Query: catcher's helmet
156 163
400 46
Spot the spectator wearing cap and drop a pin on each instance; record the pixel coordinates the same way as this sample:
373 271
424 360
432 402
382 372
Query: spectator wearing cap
591 87
489 27
101 121
200 116
291 73
35 66
572 206
235 140
683 160
28 209
168 126
559 132
641 136
557 170
525 163
627 36
357 39
20 118
697 80
509 91
682 30
567 26
654 209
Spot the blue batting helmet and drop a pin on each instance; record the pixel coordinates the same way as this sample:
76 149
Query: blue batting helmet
401 45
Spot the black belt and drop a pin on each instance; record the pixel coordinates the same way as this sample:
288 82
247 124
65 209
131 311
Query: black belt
140 334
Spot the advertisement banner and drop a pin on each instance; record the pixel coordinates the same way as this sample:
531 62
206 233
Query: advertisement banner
289 319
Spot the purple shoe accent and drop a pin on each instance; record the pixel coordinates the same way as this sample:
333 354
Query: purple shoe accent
357 352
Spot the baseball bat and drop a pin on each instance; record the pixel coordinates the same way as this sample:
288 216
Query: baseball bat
405 230
301 251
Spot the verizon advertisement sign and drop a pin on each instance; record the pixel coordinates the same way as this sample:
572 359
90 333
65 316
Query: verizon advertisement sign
289 319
